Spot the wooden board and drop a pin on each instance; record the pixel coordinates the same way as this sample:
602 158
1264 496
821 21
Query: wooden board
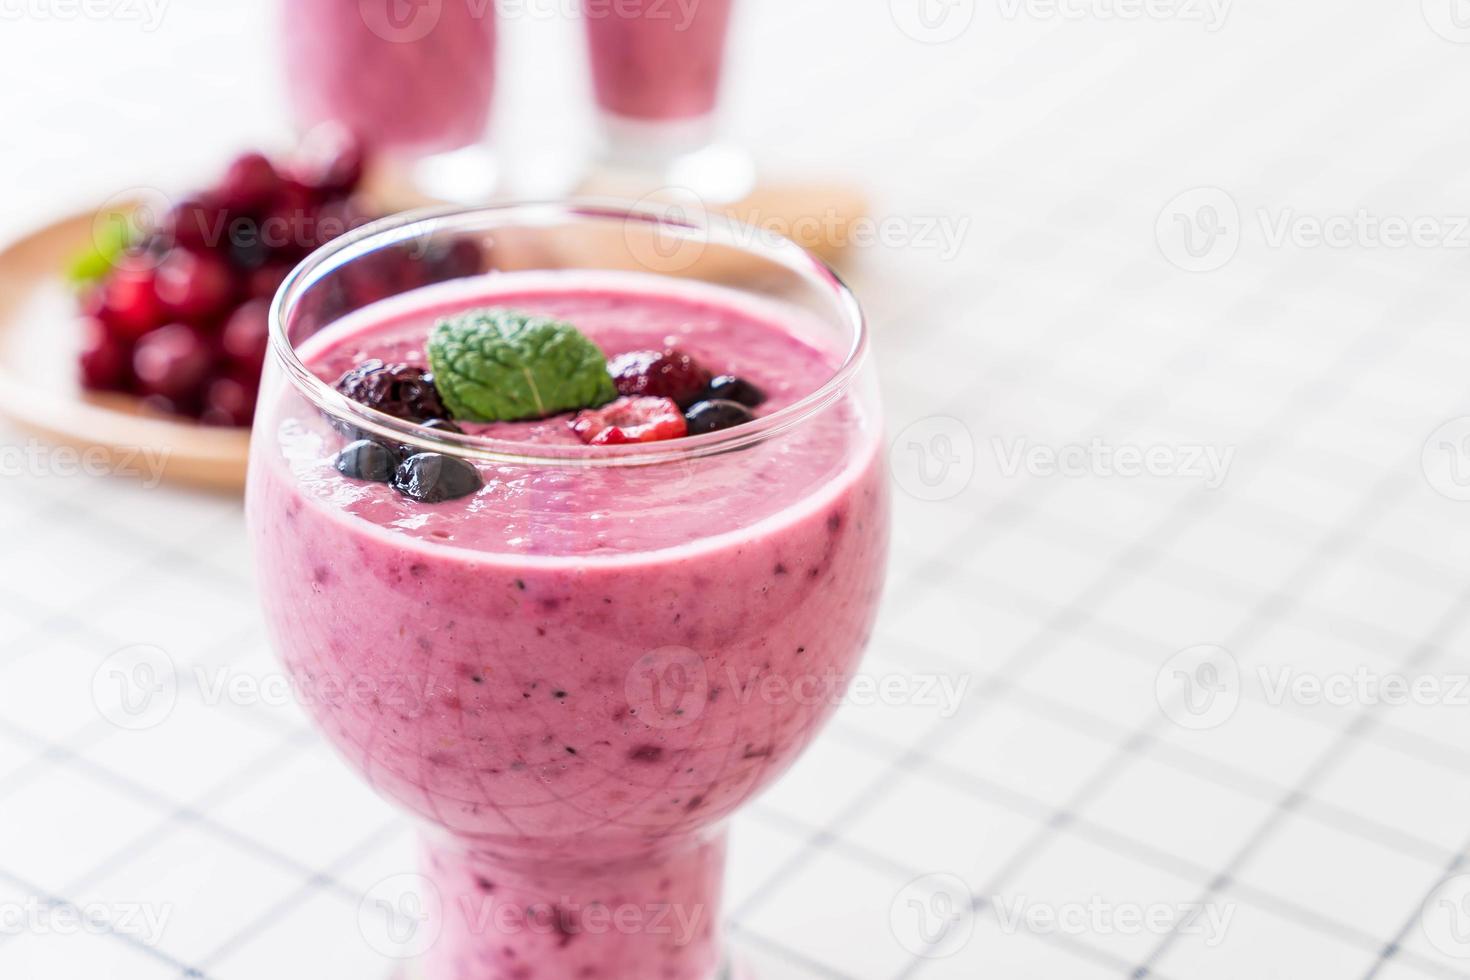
40 336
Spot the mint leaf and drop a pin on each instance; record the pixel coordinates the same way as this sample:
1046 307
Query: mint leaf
108 242
499 365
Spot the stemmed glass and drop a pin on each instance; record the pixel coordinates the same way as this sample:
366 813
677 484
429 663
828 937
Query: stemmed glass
657 73
572 726
414 81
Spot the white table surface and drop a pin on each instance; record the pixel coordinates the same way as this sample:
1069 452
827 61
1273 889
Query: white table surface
1060 818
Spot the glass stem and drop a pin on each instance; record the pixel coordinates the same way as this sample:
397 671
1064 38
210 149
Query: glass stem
576 912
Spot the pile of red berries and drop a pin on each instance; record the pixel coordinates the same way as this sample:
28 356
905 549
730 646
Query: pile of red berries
180 318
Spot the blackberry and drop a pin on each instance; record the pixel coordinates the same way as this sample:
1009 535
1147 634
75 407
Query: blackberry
397 389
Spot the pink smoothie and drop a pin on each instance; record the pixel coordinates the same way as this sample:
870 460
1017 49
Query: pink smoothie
407 76
575 675
657 59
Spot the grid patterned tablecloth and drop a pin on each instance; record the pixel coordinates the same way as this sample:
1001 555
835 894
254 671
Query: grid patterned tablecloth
1207 720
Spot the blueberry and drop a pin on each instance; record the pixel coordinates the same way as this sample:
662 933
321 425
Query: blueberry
711 416
431 478
729 388
366 460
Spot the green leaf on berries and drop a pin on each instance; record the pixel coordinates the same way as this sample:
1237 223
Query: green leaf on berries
500 365
109 240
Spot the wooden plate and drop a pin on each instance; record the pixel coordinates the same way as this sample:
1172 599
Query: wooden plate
40 335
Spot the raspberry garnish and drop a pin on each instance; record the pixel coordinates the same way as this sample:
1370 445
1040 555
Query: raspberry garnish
667 373
630 420
397 389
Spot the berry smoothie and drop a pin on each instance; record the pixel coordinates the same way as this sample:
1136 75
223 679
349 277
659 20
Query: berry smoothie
406 76
657 60
576 673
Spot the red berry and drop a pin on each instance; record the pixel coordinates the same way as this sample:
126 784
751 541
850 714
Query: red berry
228 402
249 184
197 223
262 283
104 359
289 227
171 362
246 335
337 218
630 420
329 162
669 373
194 285
129 303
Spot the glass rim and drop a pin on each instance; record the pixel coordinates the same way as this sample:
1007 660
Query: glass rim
707 229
